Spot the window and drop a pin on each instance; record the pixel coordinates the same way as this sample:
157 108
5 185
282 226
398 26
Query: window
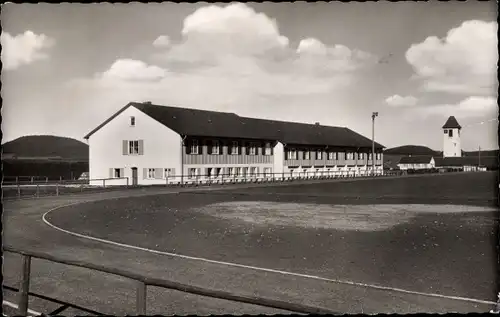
132 121
370 156
361 156
191 172
292 154
169 172
234 148
217 171
267 171
450 133
349 156
253 171
215 147
307 155
267 149
237 171
194 147
133 147
330 155
229 171
445 131
253 149
319 155
151 173
117 173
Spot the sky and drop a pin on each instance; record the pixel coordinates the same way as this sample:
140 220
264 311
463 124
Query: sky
68 67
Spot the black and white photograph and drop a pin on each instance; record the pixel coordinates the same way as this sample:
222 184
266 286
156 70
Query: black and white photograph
234 158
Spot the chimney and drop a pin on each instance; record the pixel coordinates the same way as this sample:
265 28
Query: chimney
147 102
316 123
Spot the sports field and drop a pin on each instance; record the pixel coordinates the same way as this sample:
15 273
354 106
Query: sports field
362 246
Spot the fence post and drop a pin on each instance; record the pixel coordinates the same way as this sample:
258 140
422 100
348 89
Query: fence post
24 285
104 183
18 191
37 191
57 189
141 294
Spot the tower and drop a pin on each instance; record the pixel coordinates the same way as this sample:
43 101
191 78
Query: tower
451 138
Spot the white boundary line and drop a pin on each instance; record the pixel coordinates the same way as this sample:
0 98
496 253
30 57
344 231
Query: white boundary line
255 268
15 306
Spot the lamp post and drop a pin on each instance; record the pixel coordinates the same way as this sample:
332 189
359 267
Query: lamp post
374 115
479 157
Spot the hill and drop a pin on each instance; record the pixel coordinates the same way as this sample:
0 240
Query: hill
483 153
46 146
410 150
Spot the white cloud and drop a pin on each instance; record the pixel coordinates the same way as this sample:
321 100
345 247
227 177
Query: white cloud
23 48
236 22
132 70
162 41
314 54
462 62
233 59
475 106
312 46
400 101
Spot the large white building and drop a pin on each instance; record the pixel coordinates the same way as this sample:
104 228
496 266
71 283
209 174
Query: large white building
150 144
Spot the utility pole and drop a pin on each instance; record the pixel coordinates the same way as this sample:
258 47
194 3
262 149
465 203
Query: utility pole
479 164
374 115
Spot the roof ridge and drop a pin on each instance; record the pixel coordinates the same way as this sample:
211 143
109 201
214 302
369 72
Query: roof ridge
134 103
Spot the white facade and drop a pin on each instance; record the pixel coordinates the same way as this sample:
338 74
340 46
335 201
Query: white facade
451 143
135 149
416 166
279 156
160 150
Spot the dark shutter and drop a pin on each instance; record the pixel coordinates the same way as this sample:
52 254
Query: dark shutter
247 148
229 147
209 147
240 144
272 149
286 153
125 147
188 146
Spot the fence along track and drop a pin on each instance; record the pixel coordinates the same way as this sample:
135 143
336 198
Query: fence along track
142 282
21 190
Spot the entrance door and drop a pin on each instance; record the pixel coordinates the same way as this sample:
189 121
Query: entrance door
134 176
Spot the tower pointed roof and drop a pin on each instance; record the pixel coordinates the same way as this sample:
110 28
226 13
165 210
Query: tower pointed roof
452 123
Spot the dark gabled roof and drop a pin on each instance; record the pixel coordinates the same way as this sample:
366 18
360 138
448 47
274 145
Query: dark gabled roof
487 161
452 123
419 159
195 122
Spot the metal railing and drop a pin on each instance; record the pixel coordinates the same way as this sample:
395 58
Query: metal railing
29 189
142 282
